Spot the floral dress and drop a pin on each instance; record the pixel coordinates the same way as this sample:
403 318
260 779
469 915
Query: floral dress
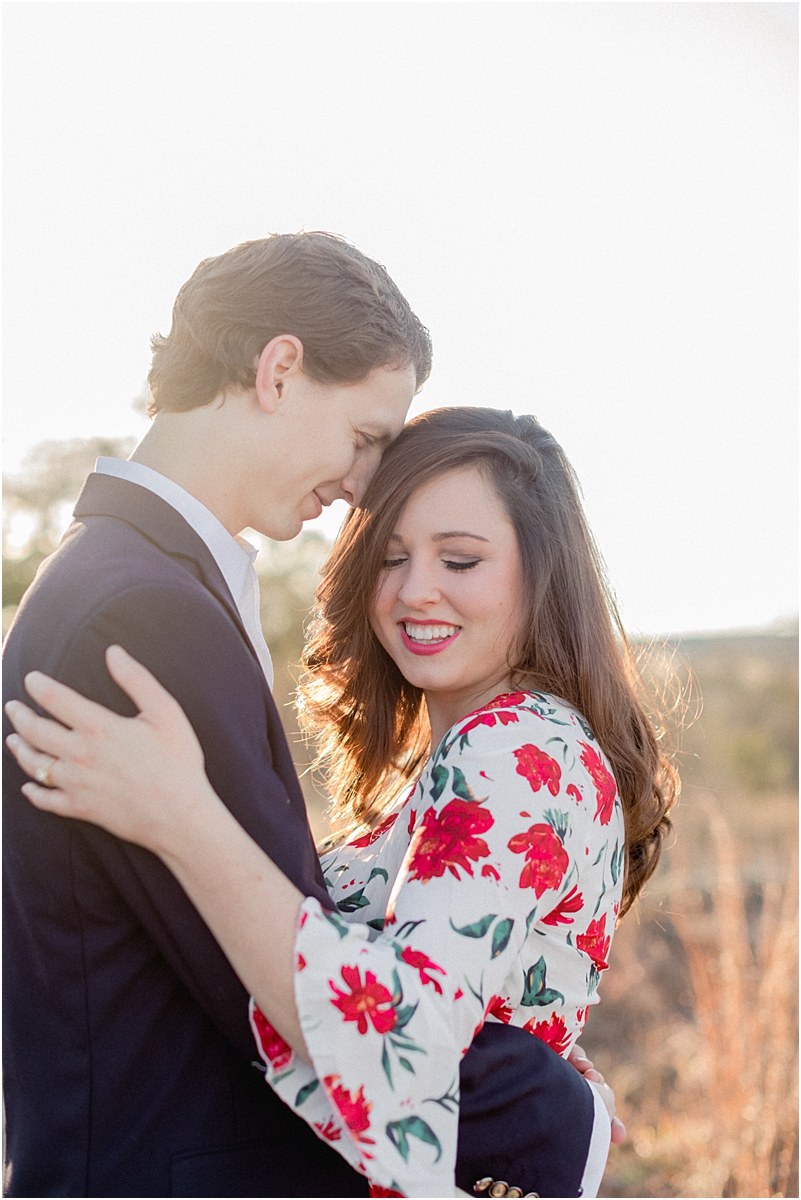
491 894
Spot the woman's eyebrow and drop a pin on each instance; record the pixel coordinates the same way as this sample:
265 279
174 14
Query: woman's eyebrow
458 533
443 537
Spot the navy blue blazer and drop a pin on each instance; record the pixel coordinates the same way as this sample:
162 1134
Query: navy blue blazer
129 1063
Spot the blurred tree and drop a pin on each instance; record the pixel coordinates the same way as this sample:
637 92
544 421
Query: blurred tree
37 503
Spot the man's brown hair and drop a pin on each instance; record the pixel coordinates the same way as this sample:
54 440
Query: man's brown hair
343 306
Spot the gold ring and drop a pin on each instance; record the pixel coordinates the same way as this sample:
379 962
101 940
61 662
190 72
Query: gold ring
42 774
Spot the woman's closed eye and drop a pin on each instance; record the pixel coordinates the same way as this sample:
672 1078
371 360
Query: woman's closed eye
389 563
461 564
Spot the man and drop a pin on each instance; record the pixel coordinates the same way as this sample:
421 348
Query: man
290 365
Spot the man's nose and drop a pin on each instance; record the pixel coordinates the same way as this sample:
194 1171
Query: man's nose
355 483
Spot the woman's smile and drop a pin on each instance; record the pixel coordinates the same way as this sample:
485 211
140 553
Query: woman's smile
427 637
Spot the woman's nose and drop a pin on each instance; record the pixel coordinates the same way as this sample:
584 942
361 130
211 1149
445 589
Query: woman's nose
419 587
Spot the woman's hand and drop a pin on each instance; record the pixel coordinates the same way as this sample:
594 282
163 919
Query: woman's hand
578 1059
138 777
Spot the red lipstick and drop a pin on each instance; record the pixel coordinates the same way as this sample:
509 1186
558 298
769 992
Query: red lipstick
426 647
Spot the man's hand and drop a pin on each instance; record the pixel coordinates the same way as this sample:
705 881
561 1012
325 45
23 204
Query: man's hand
578 1059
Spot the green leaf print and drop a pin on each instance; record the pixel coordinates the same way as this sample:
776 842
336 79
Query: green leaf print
306 1091
376 923
587 731
440 777
378 871
338 924
460 787
399 1133
386 1066
500 938
478 929
558 821
534 989
404 1016
408 927
404 1062
353 902
449 1100
615 863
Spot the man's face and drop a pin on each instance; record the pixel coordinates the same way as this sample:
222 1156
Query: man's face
324 444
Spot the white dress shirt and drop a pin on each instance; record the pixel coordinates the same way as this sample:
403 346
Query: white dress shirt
233 555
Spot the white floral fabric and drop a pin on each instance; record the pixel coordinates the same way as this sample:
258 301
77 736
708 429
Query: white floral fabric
490 894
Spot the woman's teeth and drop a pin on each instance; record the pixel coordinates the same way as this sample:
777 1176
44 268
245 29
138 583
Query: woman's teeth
429 633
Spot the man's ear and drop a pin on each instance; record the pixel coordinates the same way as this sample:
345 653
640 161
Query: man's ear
280 359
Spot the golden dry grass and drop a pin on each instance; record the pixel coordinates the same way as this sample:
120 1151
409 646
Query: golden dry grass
707 981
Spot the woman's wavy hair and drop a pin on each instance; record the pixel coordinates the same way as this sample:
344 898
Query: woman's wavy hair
371 723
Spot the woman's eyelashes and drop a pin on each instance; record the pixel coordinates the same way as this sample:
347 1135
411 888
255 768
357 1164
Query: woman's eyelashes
450 564
461 564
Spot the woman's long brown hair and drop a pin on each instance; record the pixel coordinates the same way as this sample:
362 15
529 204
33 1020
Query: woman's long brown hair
371 723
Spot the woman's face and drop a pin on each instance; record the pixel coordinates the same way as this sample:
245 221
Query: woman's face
449 602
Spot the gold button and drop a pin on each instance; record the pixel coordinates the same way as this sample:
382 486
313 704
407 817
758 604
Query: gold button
534 1195
482 1184
514 1191
499 1188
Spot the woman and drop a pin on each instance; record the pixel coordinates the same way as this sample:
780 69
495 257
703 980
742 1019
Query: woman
463 611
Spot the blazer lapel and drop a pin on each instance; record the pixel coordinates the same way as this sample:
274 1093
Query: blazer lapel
158 521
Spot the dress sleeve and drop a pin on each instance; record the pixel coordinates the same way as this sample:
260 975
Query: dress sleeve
388 1017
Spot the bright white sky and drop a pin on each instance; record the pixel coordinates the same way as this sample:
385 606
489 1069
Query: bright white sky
592 206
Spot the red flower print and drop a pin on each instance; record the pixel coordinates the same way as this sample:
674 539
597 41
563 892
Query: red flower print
412 819
573 791
594 943
489 872
301 963
546 858
368 999
446 841
489 718
506 700
581 1016
538 768
375 1190
553 1032
373 835
501 1008
571 903
330 1131
277 1052
423 964
354 1110
605 786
